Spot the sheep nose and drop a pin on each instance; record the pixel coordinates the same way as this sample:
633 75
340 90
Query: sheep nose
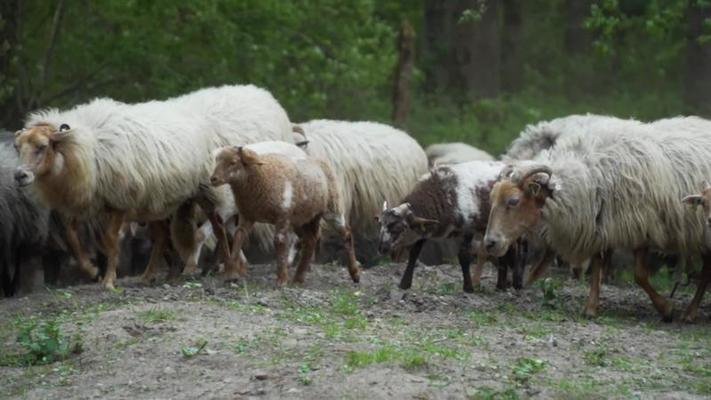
489 243
213 180
20 175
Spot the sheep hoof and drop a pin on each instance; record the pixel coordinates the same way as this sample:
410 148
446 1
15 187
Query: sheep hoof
191 271
148 279
468 289
229 276
668 314
688 318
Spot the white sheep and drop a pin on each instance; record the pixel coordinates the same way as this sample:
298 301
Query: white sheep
139 161
455 153
617 189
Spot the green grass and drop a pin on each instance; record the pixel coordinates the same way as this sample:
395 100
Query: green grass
157 314
408 358
194 349
482 318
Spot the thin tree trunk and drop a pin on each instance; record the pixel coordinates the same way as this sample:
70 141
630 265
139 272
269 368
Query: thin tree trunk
401 81
511 46
698 61
10 114
475 56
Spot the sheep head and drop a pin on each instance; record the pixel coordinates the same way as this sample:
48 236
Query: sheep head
37 150
231 163
703 199
516 203
400 227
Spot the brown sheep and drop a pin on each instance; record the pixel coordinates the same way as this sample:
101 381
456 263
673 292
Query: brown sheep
285 192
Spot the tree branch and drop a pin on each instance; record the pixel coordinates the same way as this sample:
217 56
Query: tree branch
53 36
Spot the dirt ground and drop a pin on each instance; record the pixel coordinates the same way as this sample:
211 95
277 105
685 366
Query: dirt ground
330 339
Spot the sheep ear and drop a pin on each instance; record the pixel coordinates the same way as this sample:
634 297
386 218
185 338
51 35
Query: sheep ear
249 157
693 199
533 188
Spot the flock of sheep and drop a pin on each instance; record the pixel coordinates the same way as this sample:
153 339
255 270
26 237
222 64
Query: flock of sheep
221 167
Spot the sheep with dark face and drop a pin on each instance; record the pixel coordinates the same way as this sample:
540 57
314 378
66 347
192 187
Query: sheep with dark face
23 224
449 203
619 189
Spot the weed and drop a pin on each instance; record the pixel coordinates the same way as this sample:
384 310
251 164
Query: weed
549 287
409 358
525 367
304 370
157 314
44 342
482 318
597 357
192 351
345 303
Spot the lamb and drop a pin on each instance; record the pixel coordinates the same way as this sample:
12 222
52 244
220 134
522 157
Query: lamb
189 238
139 162
454 153
618 189
372 162
287 192
450 202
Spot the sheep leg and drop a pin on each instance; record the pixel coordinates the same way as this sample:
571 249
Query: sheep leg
110 242
281 247
479 267
540 268
641 276
347 237
406 281
465 260
519 263
235 266
218 228
593 301
158 233
692 309
308 234
191 265
71 229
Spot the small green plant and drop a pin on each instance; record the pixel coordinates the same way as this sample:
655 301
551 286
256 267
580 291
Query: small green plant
192 351
597 357
44 342
525 367
157 314
550 288
304 370
482 318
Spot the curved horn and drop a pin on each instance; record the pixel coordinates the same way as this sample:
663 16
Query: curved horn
532 171
506 171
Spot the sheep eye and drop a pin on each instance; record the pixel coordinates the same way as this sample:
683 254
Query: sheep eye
64 127
512 201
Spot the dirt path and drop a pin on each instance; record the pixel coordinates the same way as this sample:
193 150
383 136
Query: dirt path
331 339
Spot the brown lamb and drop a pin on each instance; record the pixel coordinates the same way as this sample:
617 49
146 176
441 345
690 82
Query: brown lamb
288 193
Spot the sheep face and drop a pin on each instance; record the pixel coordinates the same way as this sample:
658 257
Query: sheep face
400 228
36 148
515 209
231 163
704 200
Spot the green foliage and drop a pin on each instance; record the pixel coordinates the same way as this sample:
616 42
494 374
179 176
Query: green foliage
44 342
487 393
525 367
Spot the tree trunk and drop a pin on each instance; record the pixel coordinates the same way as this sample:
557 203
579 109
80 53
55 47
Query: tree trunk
475 58
577 38
437 43
698 61
401 81
511 44
10 114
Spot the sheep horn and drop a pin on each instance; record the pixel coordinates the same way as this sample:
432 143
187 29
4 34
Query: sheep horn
506 171
532 171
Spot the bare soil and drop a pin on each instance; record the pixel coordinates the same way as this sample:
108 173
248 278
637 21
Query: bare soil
330 339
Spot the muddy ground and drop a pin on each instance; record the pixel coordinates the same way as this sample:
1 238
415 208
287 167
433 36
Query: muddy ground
331 339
